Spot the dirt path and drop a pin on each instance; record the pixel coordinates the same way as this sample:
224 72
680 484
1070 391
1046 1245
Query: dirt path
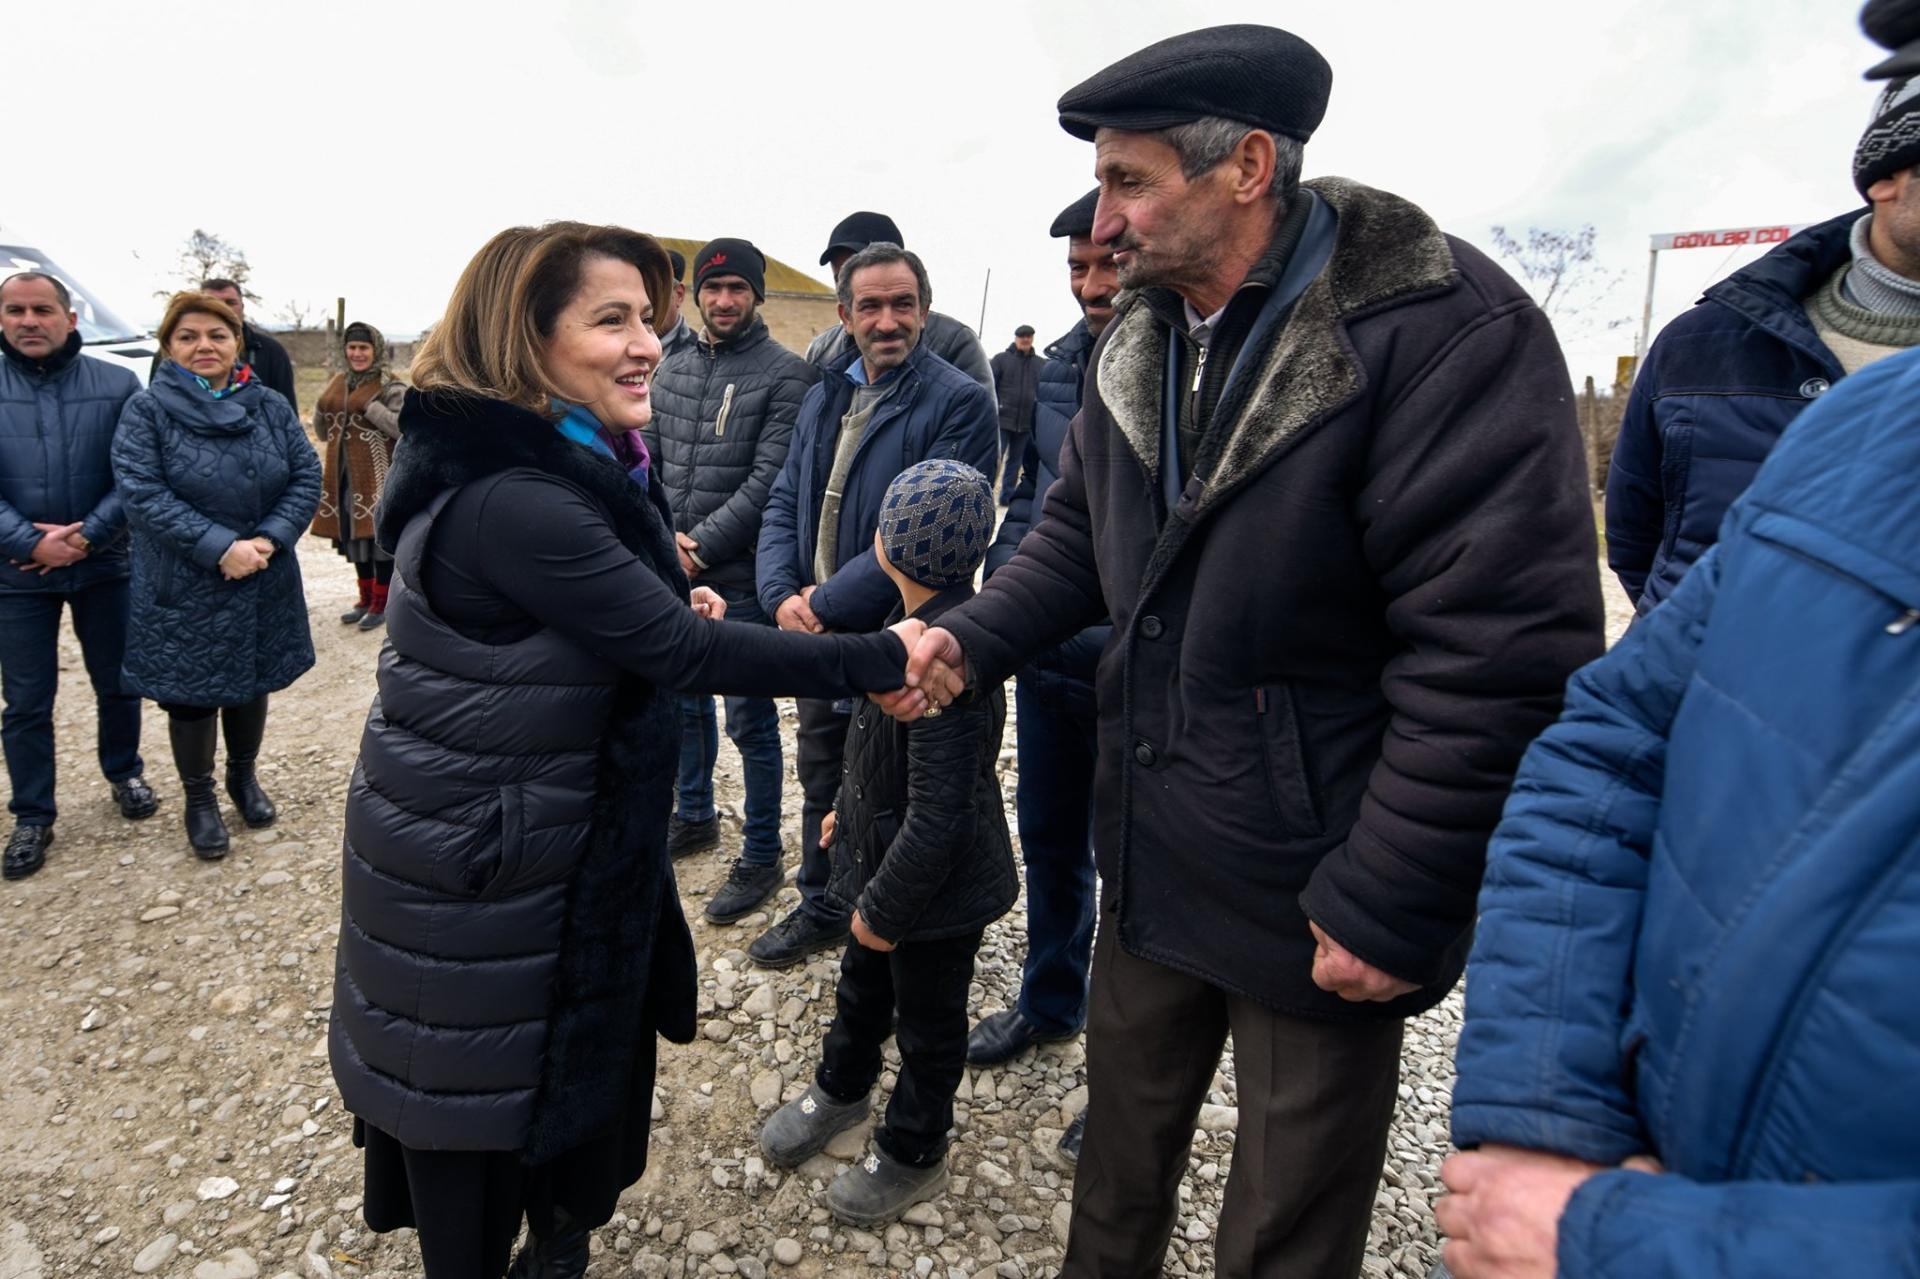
166 1107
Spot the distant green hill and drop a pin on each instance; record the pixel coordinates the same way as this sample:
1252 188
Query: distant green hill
781 278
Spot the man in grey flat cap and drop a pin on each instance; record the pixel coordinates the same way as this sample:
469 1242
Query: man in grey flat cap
1328 484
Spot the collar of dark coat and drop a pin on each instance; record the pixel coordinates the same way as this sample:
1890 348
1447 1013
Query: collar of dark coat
50 364
1073 344
448 439
755 334
1387 249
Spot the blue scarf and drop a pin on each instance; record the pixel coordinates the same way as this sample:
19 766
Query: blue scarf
242 374
582 427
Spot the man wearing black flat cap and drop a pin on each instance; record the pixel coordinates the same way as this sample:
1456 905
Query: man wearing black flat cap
944 336
1016 377
1056 726
1327 483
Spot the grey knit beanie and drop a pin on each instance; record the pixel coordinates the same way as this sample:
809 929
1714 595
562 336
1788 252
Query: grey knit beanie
935 522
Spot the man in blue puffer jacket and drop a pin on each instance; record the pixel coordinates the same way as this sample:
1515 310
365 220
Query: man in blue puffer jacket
63 533
889 403
1725 379
1700 924
1057 728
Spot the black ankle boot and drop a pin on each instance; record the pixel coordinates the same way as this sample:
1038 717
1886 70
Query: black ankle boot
562 1257
193 741
206 831
243 787
245 727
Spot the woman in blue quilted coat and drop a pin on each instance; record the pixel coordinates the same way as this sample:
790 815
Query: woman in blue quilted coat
219 481
1692 1034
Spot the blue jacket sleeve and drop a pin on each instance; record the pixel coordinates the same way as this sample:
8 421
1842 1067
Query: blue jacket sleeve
151 503
18 536
859 595
1628 1225
293 513
1636 514
1539 1062
777 562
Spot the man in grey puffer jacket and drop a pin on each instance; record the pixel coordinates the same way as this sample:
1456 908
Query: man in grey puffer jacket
723 415
945 336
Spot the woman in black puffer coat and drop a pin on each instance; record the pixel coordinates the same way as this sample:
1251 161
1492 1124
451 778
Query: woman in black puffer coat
511 940
219 482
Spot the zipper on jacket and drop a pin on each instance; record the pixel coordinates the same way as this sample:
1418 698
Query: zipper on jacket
726 407
1904 623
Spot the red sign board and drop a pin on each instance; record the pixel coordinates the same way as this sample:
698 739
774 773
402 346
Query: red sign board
1728 238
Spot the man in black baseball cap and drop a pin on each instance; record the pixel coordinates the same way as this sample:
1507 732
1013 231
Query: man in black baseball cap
945 336
1328 485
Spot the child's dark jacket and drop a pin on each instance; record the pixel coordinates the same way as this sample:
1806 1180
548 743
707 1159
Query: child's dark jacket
921 845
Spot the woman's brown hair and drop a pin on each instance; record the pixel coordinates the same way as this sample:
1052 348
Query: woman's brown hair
493 338
193 302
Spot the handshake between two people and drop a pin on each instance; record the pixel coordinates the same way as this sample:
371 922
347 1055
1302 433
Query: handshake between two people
937 673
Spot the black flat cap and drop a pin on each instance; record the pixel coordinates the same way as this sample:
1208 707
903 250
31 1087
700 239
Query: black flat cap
1894 25
1024 331
1262 76
857 230
1076 218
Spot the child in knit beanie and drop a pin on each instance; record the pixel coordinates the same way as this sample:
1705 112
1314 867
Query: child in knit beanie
923 862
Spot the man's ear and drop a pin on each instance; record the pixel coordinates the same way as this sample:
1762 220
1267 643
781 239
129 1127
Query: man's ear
1254 159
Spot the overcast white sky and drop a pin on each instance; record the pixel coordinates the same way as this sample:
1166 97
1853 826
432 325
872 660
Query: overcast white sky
367 150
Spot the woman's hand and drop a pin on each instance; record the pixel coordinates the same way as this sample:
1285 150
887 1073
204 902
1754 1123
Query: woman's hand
867 937
264 546
708 604
242 559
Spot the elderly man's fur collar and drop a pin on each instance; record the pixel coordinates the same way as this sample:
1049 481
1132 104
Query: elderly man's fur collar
1386 250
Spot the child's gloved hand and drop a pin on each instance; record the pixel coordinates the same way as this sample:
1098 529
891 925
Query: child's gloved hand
827 824
867 937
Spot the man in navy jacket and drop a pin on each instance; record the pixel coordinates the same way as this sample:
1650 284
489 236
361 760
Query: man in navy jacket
64 536
1057 730
877 411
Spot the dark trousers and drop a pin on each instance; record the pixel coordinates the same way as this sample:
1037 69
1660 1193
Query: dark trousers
818 750
1316 1098
925 982
1054 801
1013 451
30 675
754 725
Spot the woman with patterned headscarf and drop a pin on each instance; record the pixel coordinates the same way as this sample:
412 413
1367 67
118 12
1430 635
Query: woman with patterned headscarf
358 419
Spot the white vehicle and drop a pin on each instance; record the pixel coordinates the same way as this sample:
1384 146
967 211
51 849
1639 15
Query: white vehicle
102 331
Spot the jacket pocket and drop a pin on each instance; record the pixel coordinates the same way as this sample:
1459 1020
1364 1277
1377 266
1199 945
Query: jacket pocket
513 843
1898 586
163 574
1289 784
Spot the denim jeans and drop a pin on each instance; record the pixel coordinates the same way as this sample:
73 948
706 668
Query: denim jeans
30 674
754 725
1054 804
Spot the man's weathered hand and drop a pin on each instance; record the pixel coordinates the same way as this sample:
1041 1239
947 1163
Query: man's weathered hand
1339 971
794 615
1502 1215
867 937
937 666
708 603
53 550
687 546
